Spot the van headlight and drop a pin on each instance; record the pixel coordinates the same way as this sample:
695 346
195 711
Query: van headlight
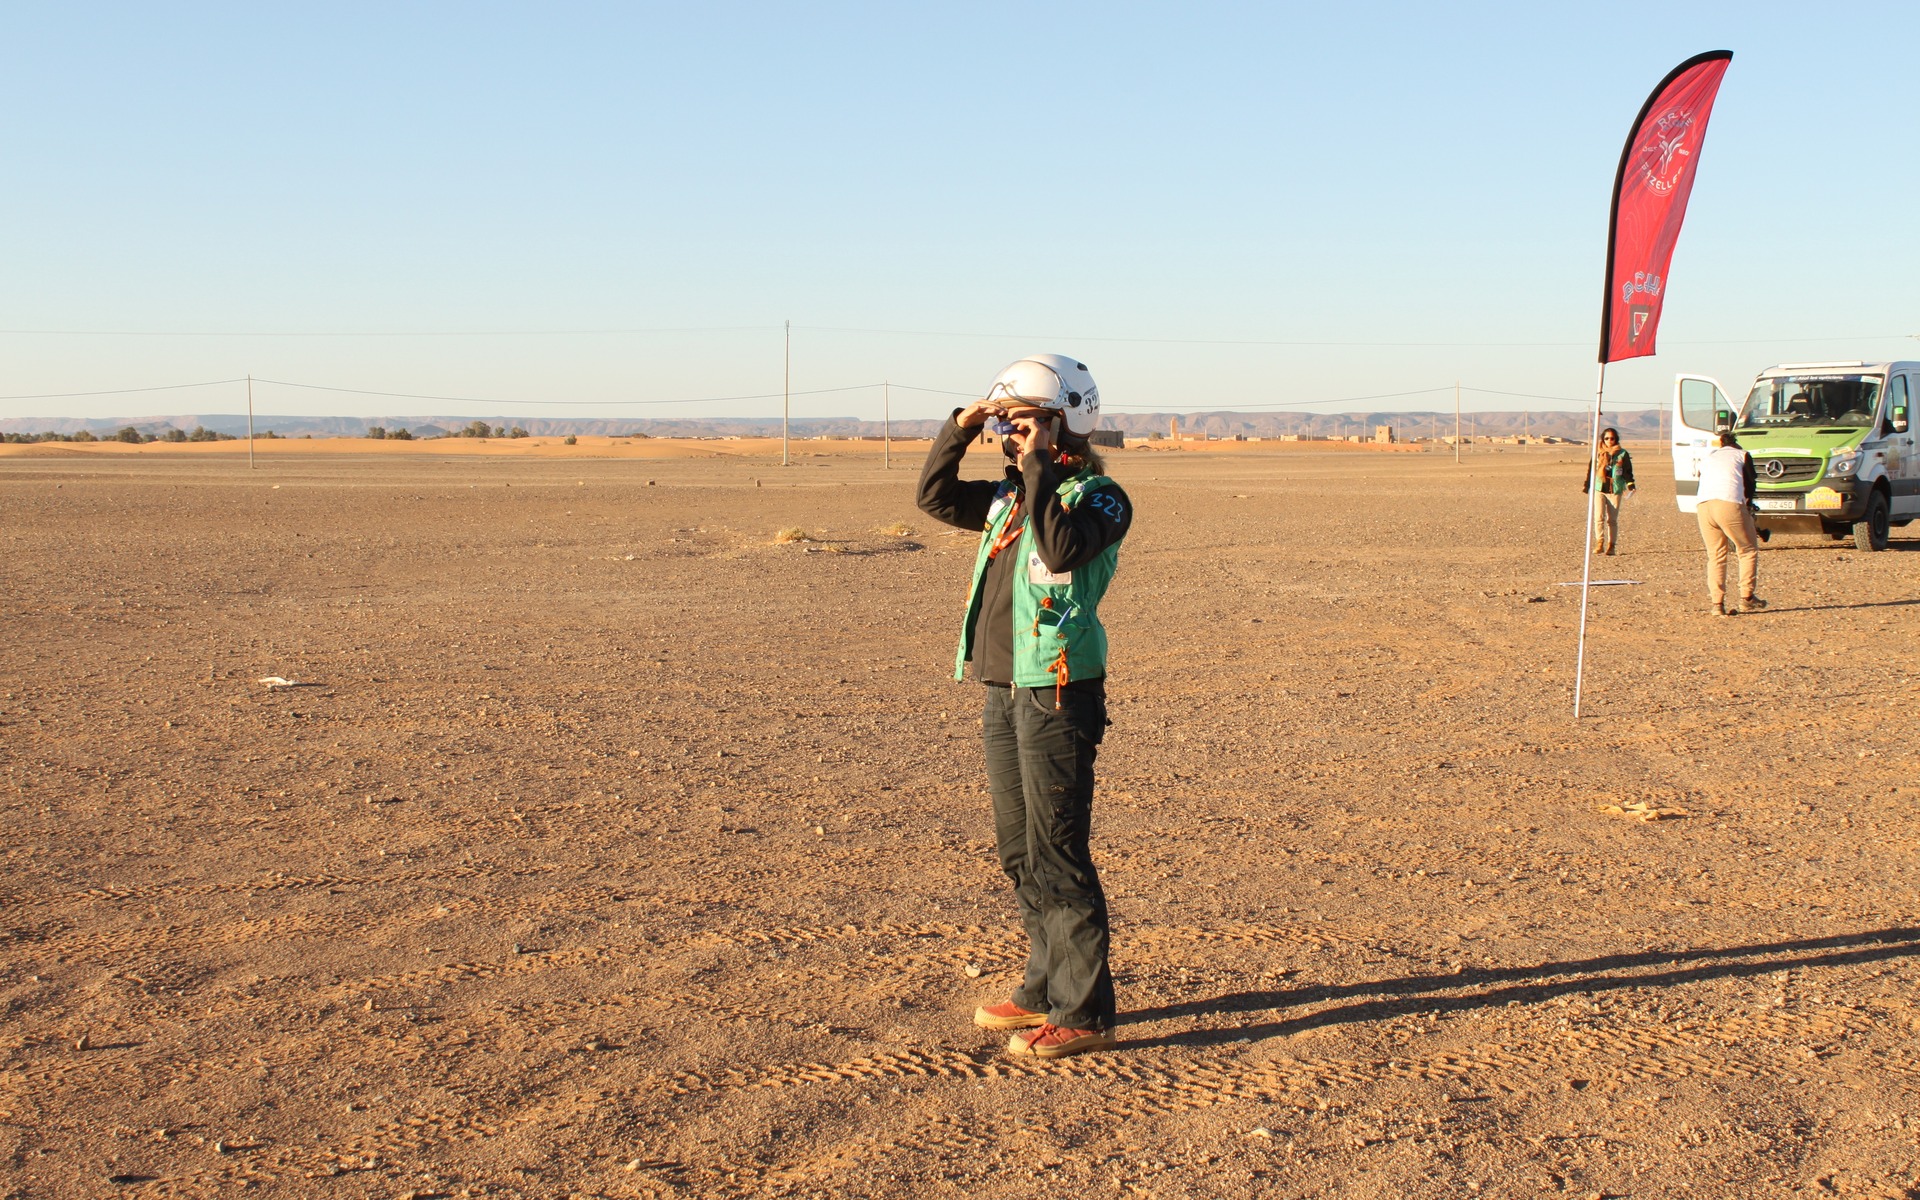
1845 464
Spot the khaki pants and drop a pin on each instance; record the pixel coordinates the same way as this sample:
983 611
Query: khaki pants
1606 522
1724 523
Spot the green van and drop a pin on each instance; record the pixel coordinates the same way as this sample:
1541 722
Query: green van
1832 444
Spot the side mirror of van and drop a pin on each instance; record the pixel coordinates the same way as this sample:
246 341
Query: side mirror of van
1899 419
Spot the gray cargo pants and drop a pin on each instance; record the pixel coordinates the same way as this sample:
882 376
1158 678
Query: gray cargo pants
1040 768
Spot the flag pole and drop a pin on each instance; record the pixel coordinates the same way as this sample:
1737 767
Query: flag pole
1658 161
1586 570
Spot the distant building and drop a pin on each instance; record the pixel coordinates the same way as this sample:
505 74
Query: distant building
1383 433
1108 437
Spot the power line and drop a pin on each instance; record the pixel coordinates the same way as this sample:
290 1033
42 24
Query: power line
1525 395
936 391
317 387
165 387
1295 403
1356 345
320 387
380 333
497 401
619 331
1163 341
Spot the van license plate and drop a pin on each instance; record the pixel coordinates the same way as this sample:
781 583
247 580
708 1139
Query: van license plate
1779 504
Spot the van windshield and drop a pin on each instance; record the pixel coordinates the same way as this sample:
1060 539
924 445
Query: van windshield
1803 400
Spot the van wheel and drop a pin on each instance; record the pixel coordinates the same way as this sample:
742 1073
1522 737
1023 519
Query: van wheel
1870 532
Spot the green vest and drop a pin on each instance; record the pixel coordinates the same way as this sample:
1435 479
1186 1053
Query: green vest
1048 617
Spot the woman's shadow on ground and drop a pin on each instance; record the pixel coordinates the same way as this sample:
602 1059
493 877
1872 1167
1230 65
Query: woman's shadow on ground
1495 987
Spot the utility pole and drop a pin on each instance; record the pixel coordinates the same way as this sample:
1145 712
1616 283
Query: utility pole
1456 422
786 395
249 422
886 425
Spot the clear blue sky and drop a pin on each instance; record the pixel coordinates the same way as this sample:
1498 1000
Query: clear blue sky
977 182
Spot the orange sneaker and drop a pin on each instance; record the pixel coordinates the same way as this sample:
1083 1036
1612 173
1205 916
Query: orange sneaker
1006 1015
1053 1041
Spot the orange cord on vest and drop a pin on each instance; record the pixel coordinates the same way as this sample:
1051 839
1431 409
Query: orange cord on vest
1008 532
1046 602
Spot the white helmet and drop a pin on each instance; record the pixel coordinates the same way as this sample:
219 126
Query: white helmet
1052 381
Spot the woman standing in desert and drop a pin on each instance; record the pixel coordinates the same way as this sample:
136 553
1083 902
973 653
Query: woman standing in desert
1050 534
1613 474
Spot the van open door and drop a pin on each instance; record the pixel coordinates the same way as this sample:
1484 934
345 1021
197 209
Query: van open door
1700 411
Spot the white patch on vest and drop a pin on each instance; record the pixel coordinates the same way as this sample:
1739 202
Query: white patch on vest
1037 573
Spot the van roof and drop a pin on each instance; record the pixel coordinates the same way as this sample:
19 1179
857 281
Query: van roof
1853 365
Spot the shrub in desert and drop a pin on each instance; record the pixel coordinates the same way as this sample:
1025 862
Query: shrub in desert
572 440
477 429
377 432
175 435
401 435
83 436
202 434
791 534
516 432
897 529
128 434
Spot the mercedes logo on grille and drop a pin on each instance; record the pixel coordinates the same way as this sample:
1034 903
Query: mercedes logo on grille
1775 468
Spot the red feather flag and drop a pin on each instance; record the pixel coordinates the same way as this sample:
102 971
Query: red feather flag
1650 193
1650 201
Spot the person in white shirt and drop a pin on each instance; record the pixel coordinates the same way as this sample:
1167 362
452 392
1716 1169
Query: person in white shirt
1726 519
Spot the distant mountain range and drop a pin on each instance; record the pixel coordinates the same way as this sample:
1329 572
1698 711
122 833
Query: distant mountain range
1574 425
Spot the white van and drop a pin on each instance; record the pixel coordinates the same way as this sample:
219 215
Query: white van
1832 443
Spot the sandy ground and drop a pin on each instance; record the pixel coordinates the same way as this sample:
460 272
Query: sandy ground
902 453
609 849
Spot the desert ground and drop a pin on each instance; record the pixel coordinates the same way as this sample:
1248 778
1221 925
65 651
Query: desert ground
610 847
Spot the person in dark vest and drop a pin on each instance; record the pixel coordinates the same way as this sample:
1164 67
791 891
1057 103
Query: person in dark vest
1050 532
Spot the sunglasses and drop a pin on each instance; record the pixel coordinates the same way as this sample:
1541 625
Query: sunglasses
1002 426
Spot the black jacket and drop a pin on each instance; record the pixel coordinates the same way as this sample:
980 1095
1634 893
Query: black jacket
1063 538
